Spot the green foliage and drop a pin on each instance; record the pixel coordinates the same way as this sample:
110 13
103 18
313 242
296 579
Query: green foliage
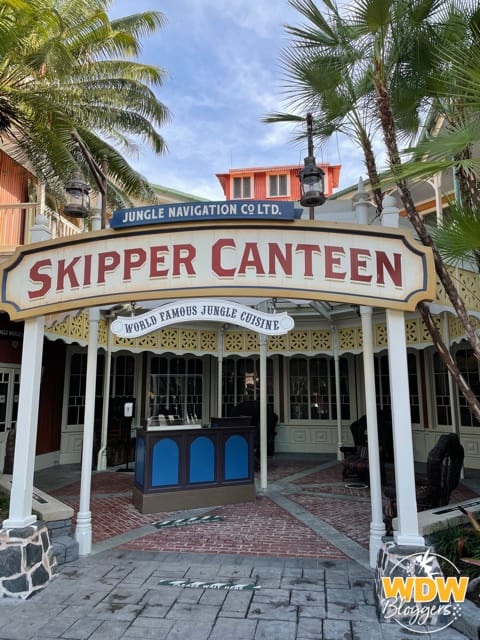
459 236
66 71
460 545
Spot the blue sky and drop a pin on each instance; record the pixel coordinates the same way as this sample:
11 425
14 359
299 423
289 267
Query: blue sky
222 59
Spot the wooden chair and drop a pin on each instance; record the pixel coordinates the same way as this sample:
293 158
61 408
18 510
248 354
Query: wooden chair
444 465
355 462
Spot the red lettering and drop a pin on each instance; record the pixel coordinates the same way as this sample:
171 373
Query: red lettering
43 278
356 264
309 250
67 271
251 258
134 259
87 270
393 270
333 258
156 259
183 254
217 258
107 261
284 259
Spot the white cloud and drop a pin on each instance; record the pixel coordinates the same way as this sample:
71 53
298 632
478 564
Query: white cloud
222 59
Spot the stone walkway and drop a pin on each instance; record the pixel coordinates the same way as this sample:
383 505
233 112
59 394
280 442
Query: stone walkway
297 557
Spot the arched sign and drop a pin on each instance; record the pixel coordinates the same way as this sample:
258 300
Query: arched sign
309 260
270 324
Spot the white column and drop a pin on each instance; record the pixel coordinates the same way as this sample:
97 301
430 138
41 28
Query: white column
83 531
20 514
220 373
407 532
336 364
377 526
263 411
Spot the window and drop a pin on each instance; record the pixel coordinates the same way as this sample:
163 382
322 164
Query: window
382 385
312 389
441 391
413 385
76 387
175 387
278 185
242 188
382 381
241 376
470 370
123 375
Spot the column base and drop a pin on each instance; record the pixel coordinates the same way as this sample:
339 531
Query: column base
27 560
401 599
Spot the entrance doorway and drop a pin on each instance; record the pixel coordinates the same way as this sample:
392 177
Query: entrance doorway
9 390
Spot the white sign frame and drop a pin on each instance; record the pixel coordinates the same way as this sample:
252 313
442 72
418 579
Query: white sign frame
307 260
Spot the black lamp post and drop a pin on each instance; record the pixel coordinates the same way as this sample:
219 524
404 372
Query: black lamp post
311 176
77 190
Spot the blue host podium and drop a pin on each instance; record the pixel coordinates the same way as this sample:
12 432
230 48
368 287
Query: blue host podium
186 466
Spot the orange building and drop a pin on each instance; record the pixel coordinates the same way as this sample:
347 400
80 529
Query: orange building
275 183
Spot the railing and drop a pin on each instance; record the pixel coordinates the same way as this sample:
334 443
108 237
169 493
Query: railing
16 221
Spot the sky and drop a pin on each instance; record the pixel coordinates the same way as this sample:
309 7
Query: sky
222 60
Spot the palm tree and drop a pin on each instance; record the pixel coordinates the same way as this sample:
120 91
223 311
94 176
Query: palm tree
69 85
383 47
456 102
458 238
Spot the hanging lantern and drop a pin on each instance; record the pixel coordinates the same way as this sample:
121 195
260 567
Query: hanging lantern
311 184
76 194
311 176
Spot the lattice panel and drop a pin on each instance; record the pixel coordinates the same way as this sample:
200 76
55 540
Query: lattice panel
150 341
425 333
277 343
169 339
321 340
380 333
123 342
455 327
440 295
347 338
468 284
299 340
102 332
208 341
189 339
79 326
233 341
252 342
60 328
412 331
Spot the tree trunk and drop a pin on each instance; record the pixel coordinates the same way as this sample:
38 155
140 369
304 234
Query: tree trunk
372 172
